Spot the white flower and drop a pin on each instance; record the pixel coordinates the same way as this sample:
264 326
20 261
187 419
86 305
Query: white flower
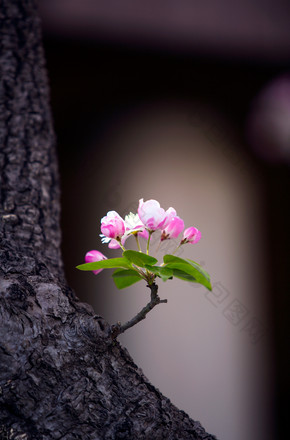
135 226
133 223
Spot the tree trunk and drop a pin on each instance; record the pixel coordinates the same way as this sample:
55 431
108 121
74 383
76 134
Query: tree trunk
62 375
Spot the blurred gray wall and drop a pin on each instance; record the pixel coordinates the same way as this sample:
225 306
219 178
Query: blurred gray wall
208 352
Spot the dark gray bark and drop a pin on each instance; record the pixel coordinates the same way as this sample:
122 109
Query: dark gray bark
62 375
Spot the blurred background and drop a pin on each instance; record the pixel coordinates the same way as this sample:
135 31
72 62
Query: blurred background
186 102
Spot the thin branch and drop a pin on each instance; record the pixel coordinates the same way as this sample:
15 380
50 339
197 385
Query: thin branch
117 329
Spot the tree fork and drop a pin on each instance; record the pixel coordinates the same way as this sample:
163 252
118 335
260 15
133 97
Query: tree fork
61 375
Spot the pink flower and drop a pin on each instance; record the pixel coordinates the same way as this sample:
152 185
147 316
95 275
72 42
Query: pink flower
153 216
170 214
93 256
112 225
113 244
144 234
173 229
191 235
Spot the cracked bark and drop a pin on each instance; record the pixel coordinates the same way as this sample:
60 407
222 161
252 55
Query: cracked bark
62 376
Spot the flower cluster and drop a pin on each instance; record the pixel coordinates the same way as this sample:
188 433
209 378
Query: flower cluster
134 266
149 219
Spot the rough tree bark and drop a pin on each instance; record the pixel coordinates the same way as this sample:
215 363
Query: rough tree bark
62 376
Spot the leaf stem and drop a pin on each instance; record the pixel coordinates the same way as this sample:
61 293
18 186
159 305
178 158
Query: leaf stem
120 243
117 329
140 272
176 248
148 242
137 241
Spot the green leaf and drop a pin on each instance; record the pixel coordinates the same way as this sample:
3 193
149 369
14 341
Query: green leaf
183 275
163 272
139 258
110 263
125 278
190 267
199 268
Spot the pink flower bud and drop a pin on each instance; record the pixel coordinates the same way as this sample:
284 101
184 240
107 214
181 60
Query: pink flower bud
173 229
112 225
191 235
93 256
153 216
